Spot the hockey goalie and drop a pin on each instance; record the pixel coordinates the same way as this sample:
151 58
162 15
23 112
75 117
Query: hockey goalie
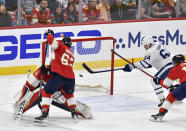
30 95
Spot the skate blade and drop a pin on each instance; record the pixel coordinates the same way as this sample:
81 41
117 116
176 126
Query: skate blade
41 123
178 102
155 120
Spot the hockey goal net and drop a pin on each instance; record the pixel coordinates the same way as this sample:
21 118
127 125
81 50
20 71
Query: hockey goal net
96 53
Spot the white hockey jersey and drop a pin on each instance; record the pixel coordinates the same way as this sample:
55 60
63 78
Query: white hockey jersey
156 56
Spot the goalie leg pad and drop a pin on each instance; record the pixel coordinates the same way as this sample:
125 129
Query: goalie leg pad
83 110
58 97
25 97
35 99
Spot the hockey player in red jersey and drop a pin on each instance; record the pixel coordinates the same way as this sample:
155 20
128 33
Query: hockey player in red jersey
63 75
178 93
30 93
28 97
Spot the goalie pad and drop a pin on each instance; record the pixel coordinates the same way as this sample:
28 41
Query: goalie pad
30 99
82 109
24 97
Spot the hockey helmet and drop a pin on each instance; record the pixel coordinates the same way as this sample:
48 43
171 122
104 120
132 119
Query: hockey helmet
178 59
147 40
67 41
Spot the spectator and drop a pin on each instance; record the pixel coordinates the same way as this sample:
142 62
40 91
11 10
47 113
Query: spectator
58 16
182 12
10 5
41 15
64 3
5 19
70 14
2 2
146 9
29 5
52 5
130 3
14 17
118 10
159 10
91 12
170 7
131 12
105 10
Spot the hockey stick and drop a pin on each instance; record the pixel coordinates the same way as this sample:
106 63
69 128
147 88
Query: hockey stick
41 81
101 71
131 63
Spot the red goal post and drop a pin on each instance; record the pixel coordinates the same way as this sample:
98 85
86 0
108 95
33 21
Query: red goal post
104 59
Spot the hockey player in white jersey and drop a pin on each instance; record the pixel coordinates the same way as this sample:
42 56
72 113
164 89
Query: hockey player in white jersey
156 56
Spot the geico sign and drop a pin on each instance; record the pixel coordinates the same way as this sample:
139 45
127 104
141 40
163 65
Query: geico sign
12 48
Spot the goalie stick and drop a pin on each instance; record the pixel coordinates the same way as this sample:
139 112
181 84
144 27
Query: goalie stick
101 71
131 63
41 81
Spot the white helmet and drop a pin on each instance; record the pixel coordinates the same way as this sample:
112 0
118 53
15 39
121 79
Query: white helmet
147 40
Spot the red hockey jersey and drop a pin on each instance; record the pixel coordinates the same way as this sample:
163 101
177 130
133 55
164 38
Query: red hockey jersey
62 58
177 72
92 14
39 17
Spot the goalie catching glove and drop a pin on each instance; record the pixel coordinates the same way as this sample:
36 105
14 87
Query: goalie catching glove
45 69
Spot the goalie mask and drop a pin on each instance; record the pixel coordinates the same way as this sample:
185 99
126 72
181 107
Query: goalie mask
67 41
178 59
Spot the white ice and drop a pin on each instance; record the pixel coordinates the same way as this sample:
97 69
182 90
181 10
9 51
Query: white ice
129 109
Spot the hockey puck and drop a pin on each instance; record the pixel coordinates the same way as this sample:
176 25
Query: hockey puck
80 75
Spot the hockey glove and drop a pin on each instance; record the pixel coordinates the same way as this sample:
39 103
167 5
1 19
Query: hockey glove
157 80
172 87
73 113
44 69
49 31
127 68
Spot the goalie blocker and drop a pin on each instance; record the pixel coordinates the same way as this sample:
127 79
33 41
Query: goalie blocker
28 97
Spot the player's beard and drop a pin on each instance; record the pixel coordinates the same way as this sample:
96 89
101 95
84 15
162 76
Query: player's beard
43 8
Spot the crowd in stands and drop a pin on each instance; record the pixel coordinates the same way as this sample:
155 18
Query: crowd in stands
37 12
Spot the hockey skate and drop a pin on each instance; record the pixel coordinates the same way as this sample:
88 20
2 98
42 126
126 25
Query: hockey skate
159 116
73 113
161 102
43 116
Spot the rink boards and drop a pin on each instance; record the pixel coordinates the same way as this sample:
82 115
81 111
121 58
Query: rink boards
20 47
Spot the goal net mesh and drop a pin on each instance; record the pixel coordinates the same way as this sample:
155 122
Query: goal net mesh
96 53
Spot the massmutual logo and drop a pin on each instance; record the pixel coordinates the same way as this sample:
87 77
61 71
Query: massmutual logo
134 40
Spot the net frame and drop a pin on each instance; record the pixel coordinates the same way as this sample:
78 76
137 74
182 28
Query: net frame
80 39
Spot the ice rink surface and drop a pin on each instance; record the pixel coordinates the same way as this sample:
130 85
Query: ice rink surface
129 109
